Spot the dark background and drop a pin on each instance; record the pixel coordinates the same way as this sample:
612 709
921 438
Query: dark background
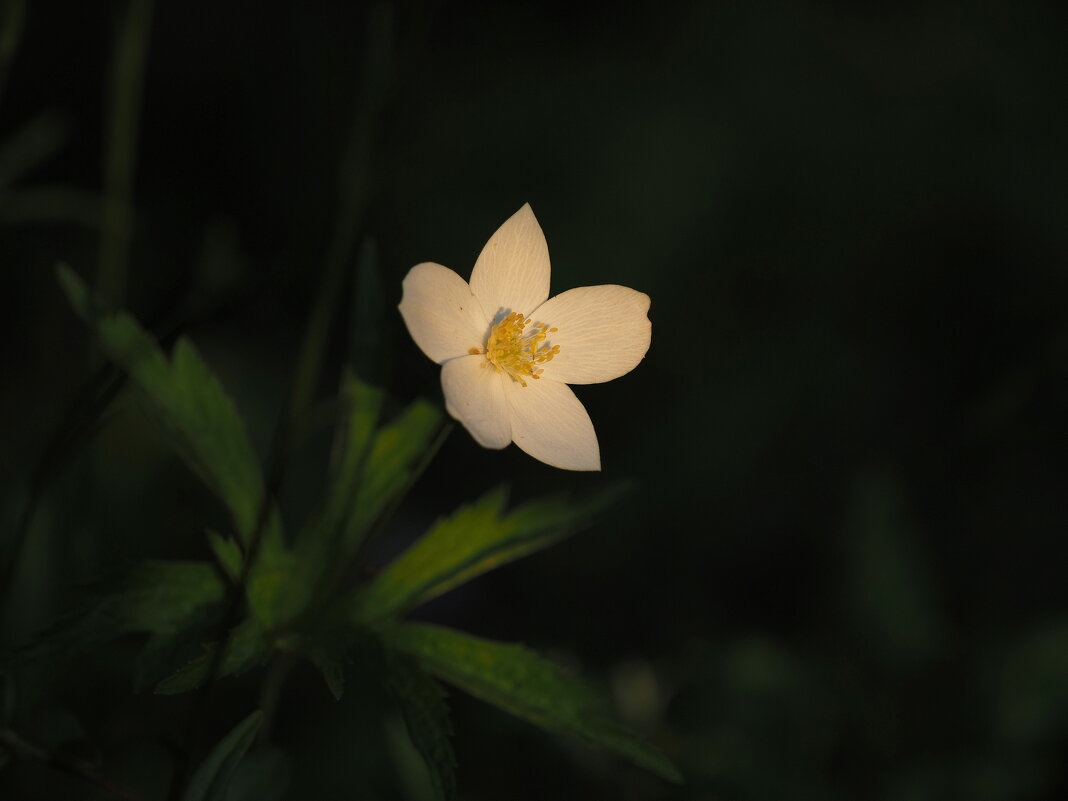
839 573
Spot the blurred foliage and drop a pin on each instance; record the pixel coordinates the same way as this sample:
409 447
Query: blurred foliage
840 572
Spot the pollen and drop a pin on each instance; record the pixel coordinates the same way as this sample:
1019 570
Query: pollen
517 347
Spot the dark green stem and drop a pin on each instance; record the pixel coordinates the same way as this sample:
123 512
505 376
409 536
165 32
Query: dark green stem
354 193
11 24
128 70
271 690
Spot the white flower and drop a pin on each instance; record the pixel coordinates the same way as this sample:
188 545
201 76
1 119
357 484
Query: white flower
507 353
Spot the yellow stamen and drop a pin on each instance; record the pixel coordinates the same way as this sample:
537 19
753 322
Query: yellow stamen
511 350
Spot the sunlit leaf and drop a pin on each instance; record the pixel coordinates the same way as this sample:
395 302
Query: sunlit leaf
212 778
526 685
246 647
422 704
198 418
473 540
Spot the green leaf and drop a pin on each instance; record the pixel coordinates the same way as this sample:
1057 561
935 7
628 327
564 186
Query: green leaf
328 649
197 417
475 539
211 779
526 685
228 552
246 647
163 599
361 405
281 582
263 775
330 643
422 705
202 424
373 470
332 670
395 459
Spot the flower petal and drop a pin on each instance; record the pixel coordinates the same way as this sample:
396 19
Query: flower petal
552 425
512 272
444 318
474 395
603 332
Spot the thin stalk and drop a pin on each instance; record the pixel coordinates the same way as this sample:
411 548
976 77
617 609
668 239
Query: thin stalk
11 24
128 68
271 690
354 194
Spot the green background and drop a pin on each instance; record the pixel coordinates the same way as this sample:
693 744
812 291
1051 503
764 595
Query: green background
839 572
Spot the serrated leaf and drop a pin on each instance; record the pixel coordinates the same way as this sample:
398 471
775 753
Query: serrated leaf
196 415
526 685
246 647
212 778
163 599
421 701
475 539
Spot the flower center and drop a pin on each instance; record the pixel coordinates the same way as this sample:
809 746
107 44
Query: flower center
516 347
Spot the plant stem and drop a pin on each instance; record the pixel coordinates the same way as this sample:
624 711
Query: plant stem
271 690
354 187
128 70
11 23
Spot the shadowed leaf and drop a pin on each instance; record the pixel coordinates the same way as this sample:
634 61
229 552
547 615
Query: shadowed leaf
422 705
164 599
246 647
196 415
